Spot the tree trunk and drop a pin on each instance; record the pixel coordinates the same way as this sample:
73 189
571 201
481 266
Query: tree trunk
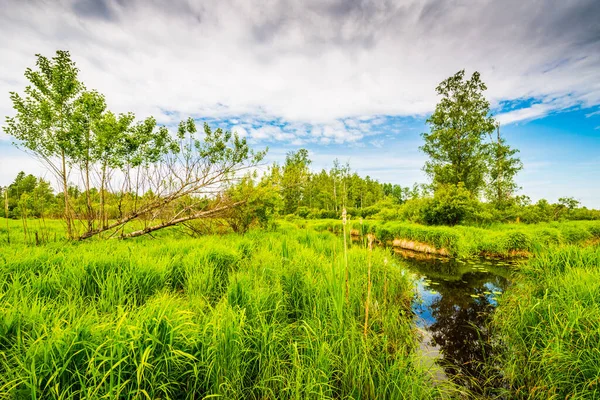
202 214
103 221
66 194
90 211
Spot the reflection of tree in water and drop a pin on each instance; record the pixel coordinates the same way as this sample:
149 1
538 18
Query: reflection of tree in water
460 327
457 322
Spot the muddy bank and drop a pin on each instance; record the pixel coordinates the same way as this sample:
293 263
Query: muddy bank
427 248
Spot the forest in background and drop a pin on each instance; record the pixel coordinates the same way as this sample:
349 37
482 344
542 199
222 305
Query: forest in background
112 170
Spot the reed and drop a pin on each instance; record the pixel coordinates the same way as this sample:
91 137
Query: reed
550 323
345 254
262 316
502 240
368 301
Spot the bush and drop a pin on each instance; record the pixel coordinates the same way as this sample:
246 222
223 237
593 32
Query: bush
451 205
516 241
303 212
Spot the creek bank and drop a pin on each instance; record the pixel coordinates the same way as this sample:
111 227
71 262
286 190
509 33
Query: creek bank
427 248
503 241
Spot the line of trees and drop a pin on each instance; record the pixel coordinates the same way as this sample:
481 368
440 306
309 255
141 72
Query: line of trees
128 170
326 193
114 170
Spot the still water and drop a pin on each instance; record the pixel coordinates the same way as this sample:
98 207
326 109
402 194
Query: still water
453 306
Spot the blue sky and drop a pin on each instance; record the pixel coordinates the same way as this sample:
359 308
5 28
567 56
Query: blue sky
347 79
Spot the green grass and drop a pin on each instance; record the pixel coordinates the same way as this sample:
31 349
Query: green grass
257 317
265 315
502 240
550 323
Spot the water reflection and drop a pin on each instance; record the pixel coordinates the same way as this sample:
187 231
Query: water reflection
453 309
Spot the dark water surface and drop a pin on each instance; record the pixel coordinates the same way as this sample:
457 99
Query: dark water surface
453 305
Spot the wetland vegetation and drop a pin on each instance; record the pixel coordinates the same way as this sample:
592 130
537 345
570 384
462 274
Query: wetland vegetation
165 263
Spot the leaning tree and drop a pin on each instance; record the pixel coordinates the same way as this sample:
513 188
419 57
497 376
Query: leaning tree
156 177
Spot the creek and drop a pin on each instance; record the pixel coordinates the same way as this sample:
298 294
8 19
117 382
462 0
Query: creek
453 305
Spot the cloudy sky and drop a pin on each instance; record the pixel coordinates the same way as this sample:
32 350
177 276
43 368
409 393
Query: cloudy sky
350 79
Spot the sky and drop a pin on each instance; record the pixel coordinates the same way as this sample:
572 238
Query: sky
347 79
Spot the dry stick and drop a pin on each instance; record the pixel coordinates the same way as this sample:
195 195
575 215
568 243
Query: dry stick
346 255
368 286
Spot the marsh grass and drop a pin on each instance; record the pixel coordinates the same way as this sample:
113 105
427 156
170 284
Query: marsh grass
262 316
503 240
550 323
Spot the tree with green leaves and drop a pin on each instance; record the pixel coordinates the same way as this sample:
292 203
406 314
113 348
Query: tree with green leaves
181 175
109 151
503 166
257 203
458 126
44 117
565 206
27 194
294 179
88 113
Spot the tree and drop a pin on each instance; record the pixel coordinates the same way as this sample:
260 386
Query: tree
44 117
458 126
257 204
109 151
294 179
179 177
503 167
27 195
88 113
339 174
565 205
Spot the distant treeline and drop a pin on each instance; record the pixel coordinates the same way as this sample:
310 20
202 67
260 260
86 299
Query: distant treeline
127 170
294 191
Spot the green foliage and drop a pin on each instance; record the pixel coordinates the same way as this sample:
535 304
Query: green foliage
451 204
503 166
260 316
44 119
456 146
29 197
294 179
324 194
257 205
550 322
163 176
465 241
459 124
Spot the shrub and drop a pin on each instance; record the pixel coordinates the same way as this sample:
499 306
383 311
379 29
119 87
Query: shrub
451 205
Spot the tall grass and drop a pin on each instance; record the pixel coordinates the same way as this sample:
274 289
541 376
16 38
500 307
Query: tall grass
257 317
550 322
465 241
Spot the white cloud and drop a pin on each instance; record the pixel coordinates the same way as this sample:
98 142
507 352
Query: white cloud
592 114
522 114
309 62
377 143
310 73
16 161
